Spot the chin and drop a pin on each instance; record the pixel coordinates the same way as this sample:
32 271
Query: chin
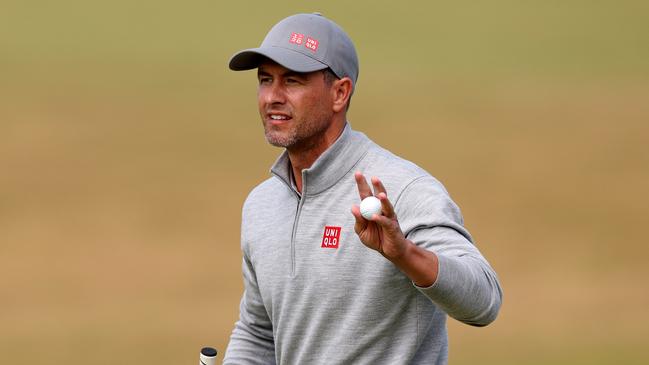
279 140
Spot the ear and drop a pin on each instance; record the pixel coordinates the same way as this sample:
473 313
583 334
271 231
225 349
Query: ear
342 91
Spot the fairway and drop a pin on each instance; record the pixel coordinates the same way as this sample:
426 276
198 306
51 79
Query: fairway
127 149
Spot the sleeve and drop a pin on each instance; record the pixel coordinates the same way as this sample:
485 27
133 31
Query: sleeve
466 288
251 341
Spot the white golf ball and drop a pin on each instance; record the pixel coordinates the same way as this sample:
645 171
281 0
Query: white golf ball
370 206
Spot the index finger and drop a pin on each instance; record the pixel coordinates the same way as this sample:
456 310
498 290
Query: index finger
364 189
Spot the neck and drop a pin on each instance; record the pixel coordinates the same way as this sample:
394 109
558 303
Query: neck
303 156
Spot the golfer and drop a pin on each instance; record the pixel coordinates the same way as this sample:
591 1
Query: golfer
323 285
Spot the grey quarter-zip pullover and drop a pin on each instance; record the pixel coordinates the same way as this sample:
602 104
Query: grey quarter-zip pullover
314 294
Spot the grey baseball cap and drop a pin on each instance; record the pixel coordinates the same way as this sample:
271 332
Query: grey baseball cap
304 43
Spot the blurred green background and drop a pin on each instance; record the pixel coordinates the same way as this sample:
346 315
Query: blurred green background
127 149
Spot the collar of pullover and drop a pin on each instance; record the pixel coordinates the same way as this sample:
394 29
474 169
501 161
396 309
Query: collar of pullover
330 167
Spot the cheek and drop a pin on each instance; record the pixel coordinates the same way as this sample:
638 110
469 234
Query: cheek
321 105
311 102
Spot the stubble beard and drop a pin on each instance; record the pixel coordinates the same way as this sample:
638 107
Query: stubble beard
302 135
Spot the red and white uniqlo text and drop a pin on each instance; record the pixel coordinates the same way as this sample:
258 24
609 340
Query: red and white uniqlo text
331 237
311 44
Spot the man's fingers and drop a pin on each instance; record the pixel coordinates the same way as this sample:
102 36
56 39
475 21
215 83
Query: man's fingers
378 186
364 189
386 205
382 194
388 225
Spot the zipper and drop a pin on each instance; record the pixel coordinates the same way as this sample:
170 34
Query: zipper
293 234
296 222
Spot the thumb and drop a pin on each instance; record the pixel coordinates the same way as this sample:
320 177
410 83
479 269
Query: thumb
361 223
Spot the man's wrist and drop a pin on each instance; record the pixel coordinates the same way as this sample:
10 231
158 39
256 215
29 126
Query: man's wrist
405 254
420 265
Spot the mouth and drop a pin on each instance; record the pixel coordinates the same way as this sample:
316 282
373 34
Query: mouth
278 118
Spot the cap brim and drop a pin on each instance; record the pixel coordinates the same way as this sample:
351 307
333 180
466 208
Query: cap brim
292 60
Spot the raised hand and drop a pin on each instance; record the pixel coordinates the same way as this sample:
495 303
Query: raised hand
381 232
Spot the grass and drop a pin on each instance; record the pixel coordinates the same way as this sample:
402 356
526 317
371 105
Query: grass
127 148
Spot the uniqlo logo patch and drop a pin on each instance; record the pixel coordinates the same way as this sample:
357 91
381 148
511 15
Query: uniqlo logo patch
311 44
331 237
296 38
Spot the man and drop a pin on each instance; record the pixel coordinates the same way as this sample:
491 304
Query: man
324 285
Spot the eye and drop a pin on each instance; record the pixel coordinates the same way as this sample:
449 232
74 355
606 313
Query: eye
291 80
265 80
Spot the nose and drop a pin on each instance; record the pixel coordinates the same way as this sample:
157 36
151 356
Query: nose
272 93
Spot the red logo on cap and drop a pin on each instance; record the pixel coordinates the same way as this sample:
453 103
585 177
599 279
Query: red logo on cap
296 38
311 44
331 237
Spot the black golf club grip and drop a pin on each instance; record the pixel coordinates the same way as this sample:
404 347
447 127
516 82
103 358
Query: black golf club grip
208 356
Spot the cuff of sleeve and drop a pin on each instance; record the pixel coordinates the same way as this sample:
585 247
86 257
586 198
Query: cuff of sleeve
443 289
